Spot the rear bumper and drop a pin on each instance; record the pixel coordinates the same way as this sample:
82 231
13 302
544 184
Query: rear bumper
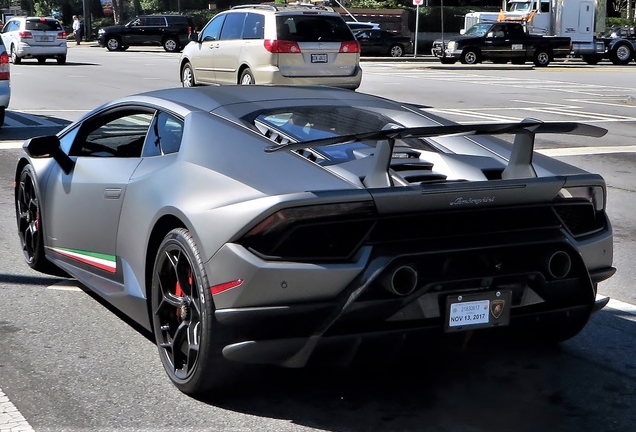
272 75
25 50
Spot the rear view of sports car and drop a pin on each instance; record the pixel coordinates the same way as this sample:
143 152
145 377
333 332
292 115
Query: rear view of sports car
270 225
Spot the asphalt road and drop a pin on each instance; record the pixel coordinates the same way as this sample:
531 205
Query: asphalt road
69 362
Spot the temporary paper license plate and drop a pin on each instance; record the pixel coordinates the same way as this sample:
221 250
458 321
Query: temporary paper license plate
319 58
472 311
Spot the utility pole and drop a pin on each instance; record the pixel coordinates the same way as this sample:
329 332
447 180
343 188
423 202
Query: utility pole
86 27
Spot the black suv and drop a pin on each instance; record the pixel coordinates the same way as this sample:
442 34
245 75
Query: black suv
169 31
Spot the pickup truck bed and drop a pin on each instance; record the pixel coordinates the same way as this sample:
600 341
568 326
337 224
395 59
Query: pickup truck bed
501 42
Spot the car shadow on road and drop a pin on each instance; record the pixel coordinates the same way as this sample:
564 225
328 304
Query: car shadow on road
52 62
484 386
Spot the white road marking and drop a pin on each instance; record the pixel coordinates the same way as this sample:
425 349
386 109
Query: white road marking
6 145
11 420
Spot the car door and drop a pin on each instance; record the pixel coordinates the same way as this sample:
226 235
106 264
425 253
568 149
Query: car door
202 59
154 30
228 49
497 43
134 34
9 31
83 209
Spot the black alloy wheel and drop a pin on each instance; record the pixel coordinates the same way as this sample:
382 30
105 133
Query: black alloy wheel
188 337
30 227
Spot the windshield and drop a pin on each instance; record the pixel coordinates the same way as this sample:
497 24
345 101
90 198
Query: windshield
519 7
478 29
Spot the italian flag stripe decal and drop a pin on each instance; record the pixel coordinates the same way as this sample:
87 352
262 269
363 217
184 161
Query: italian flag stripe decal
101 261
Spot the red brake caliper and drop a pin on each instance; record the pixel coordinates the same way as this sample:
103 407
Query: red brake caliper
179 292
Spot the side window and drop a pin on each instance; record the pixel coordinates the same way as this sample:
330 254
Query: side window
164 136
155 22
119 133
213 29
545 6
254 26
138 22
233 27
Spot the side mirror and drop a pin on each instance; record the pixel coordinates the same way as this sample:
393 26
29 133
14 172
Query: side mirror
48 146
193 37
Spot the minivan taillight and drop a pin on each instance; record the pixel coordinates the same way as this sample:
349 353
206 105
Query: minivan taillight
25 35
61 35
350 47
189 30
281 46
4 66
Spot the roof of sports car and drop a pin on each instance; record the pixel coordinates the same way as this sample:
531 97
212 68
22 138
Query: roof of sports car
211 98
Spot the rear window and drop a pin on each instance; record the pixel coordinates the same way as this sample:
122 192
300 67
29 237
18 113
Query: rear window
42 24
312 28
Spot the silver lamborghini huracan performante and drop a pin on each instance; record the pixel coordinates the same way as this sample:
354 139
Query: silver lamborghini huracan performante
271 225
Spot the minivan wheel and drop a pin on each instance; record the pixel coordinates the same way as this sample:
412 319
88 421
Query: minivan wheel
187 76
247 78
61 60
171 45
14 56
41 60
113 44
2 111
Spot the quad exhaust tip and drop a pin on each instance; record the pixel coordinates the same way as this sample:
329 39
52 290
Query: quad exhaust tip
559 264
402 281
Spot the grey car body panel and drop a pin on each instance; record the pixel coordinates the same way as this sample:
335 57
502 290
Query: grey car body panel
222 183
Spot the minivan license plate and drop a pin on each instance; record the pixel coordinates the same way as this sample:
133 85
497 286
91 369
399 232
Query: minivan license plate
319 58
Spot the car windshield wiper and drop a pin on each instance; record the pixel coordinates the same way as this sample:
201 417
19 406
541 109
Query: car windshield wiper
519 163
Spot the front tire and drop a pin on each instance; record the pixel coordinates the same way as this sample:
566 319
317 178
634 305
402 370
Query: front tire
447 61
30 226
396 51
113 44
542 58
592 59
247 78
470 56
188 337
187 76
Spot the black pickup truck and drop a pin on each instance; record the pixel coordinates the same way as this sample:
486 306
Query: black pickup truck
501 42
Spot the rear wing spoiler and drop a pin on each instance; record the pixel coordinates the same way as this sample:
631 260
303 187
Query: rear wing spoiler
519 164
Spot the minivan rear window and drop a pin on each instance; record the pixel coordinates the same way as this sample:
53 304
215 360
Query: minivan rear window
312 28
42 24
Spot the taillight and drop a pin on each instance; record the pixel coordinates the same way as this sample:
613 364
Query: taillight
281 46
350 47
61 35
4 66
189 30
25 35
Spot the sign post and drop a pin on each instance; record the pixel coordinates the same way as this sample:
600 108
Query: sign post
417 4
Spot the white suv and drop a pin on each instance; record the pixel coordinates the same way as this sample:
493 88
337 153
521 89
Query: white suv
34 37
273 44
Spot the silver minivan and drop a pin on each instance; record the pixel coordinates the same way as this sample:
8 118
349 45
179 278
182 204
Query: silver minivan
273 44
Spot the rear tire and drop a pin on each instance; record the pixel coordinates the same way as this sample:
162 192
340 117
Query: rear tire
61 60
592 59
14 56
41 60
396 51
622 54
171 45
189 338
187 76
2 115
447 61
247 78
